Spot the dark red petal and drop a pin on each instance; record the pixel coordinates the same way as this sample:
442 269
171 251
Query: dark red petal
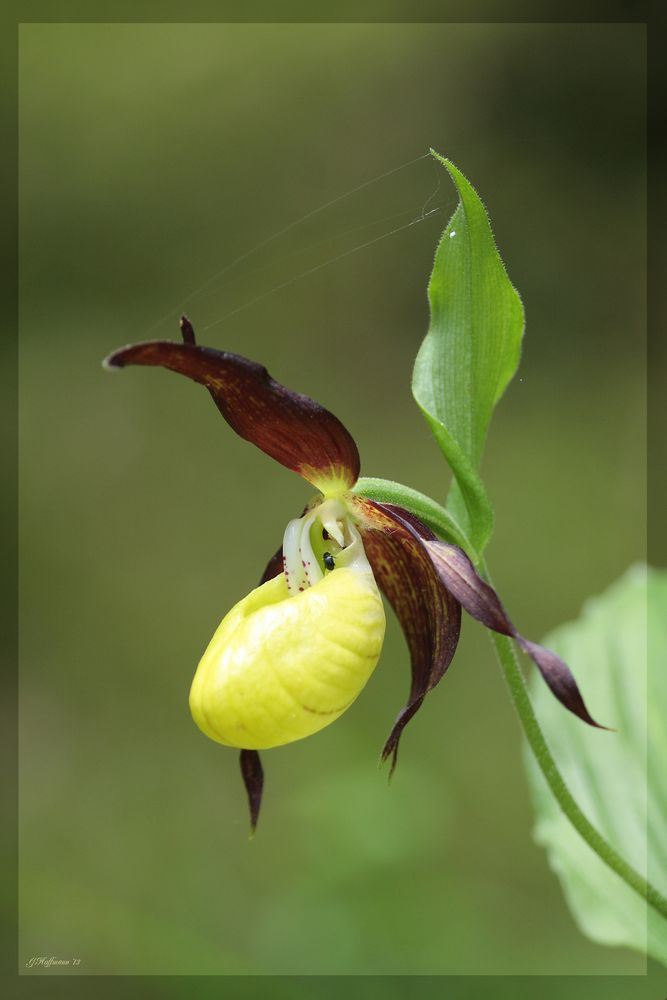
253 779
293 429
429 615
273 567
481 601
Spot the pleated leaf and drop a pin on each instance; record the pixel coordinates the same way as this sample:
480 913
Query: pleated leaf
470 353
608 650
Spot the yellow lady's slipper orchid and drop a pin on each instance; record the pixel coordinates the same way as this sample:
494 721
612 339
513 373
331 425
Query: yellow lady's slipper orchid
292 656
295 653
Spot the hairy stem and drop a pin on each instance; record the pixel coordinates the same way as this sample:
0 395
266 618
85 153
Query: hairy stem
531 727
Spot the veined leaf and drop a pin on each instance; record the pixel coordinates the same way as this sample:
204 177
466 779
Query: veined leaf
470 353
607 649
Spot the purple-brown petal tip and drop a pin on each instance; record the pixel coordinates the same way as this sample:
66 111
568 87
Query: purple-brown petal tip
482 602
559 679
187 331
390 749
112 362
253 779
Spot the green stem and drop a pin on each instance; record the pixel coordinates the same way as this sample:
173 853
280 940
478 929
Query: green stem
531 727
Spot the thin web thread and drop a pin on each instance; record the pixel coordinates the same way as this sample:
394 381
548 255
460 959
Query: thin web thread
281 232
313 246
318 267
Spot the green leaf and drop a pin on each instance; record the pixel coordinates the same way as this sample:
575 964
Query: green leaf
607 650
470 353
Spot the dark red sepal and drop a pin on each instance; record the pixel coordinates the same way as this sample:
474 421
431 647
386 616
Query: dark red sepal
481 601
274 566
253 779
290 427
428 613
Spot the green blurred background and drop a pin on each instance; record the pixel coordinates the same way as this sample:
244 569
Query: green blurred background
151 157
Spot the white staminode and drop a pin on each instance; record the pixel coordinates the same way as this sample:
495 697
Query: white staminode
301 568
301 565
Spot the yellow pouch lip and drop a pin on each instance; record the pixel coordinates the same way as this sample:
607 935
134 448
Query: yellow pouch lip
280 667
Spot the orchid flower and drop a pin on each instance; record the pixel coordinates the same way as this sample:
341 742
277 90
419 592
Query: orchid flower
294 654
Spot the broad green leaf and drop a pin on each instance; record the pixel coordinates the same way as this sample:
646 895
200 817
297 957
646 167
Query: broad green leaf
607 772
470 353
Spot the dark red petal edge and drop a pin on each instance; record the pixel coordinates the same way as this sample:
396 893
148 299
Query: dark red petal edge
481 601
273 567
253 779
293 429
429 615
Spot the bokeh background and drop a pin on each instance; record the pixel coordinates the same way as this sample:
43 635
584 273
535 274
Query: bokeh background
151 157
